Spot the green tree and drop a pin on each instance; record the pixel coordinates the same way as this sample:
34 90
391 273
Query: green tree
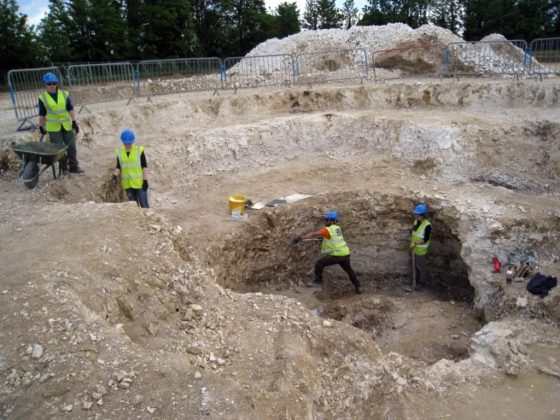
166 29
448 14
54 33
109 39
537 19
18 44
209 26
412 12
287 19
328 14
311 14
350 13
483 17
247 24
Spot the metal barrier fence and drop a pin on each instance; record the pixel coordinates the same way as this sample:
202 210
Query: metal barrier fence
506 57
544 56
25 87
327 66
97 83
411 60
160 77
258 70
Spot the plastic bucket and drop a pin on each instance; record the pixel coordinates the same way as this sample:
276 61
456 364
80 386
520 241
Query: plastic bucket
236 204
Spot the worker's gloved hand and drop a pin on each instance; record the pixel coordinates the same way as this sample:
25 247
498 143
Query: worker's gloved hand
115 180
75 127
145 185
42 130
296 240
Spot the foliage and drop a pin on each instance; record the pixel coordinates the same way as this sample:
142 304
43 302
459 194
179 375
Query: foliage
515 19
350 13
287 19
103 30
18 44
321 14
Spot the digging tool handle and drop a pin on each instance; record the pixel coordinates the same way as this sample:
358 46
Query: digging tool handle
413 270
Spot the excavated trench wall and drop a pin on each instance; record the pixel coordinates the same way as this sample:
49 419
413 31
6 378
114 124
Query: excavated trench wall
489 134
377 228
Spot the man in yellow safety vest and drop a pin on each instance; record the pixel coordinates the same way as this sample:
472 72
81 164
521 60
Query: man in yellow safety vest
419 243
57 117
334 247
133 168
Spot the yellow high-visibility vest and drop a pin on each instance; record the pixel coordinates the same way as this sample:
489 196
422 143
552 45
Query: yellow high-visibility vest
336 246
417 236
132 175
57 115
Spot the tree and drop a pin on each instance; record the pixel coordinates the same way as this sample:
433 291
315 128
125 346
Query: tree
311 15
109 39
321 14
328 14
483 17
54 33
350 13
247 24
18 44
380 12
287 19
209 26
166 29
447 14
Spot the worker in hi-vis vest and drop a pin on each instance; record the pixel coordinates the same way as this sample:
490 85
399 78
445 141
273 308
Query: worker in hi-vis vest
57 117
420 242
133 168
334 248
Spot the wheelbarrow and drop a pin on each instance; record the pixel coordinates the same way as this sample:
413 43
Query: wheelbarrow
34 154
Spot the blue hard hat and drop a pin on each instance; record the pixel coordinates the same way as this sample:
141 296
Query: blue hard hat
127 136
420 209
331 215
50 78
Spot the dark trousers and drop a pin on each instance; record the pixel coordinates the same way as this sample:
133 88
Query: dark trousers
344 262
67 138
140 196
421 269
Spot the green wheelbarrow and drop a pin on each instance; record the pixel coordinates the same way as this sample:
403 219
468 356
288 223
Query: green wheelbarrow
34 154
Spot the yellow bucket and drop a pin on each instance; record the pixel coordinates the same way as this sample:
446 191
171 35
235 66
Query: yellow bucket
236 204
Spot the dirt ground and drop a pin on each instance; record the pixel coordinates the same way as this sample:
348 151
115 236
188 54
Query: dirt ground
111 311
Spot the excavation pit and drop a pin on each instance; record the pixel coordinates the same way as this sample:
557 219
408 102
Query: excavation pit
427 325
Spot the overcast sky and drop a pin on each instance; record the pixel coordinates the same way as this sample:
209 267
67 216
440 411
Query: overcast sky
36 9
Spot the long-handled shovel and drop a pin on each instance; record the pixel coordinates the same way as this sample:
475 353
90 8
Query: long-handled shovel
413 270
413 288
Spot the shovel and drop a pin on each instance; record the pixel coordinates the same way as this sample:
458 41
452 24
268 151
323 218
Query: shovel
413 288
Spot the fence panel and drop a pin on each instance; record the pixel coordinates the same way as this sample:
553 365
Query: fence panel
25 87
328 66
408 61
545 56
160 77
97 83
259 70
507 57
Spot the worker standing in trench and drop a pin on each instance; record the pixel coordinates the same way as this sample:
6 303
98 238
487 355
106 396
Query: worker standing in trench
419 243
133 168
335 248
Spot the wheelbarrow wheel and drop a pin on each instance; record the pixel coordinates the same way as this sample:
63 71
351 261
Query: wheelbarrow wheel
30 174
